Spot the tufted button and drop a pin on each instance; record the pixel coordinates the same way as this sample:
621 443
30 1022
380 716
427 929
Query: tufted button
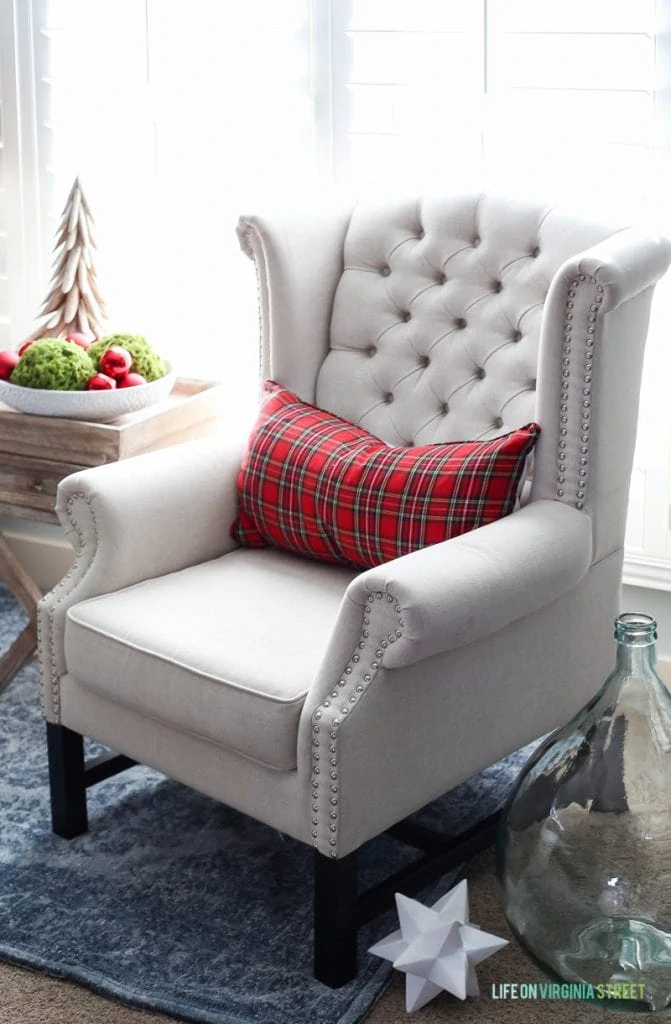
405 317
444 409
443 279
517 336
420 232
498 422
535 252
389 398
460 323
424 361
371 350
385 271
497 286
479 373
476 241
532 384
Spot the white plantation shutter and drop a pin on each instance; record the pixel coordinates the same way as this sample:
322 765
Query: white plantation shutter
7 128
576 108
93 96
552 98
571 98
71 87
21 206
233 121
567 101
177 119
399 69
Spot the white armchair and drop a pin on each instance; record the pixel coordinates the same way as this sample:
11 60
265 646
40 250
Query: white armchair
332 703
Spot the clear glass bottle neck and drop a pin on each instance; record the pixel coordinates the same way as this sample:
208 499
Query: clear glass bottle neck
635 634
635 659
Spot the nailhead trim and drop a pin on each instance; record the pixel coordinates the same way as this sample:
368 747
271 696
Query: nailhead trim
568 385
49 669
362 671
251 252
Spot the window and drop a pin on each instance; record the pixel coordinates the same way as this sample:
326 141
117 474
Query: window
20 231
568 101
177 124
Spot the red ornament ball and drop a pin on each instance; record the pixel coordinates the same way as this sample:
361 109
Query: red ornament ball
115 362
8 360
130 380
100 382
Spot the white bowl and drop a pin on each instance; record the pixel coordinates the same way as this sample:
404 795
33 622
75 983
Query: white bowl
99 406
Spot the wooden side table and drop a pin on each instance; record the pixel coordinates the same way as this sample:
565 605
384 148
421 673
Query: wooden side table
37 452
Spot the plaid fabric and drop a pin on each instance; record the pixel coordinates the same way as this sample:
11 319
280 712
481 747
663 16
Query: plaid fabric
317 485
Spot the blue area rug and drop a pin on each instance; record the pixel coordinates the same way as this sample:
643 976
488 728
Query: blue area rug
173 902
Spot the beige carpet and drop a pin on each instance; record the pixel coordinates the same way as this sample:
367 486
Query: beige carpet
29 998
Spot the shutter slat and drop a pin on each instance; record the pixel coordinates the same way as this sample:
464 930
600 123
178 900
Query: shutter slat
418 16
448 60
585 16
562 60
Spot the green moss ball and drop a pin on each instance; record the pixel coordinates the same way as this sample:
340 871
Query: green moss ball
55 365
145 360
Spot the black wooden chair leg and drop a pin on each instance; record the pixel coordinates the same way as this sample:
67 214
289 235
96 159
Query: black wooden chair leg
336 922
66 781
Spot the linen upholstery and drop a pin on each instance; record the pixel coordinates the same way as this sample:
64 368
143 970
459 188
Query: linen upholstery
459 282
459 731
216 645
298 257
513 631
316 485
590 465
464 710
132 520
460 591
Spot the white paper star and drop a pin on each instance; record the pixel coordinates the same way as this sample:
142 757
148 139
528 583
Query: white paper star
437 948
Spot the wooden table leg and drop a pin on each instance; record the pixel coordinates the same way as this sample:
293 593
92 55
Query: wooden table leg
26 591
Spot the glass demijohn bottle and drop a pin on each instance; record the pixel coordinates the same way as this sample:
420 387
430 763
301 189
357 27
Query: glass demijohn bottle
584 851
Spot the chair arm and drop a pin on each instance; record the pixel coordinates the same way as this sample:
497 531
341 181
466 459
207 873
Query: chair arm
151 514
133 520
625 264
456 592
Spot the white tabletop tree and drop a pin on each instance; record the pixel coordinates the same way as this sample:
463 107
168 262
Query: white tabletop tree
74 303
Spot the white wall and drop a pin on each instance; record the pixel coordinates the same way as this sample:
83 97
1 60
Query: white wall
41 549
651 602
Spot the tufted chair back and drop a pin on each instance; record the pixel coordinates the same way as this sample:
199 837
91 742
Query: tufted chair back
437 317
451 318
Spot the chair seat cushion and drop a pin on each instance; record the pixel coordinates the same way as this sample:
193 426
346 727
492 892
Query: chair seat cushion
315 484
225 650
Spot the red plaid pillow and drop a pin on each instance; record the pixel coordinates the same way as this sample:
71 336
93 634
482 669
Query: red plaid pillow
317 485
